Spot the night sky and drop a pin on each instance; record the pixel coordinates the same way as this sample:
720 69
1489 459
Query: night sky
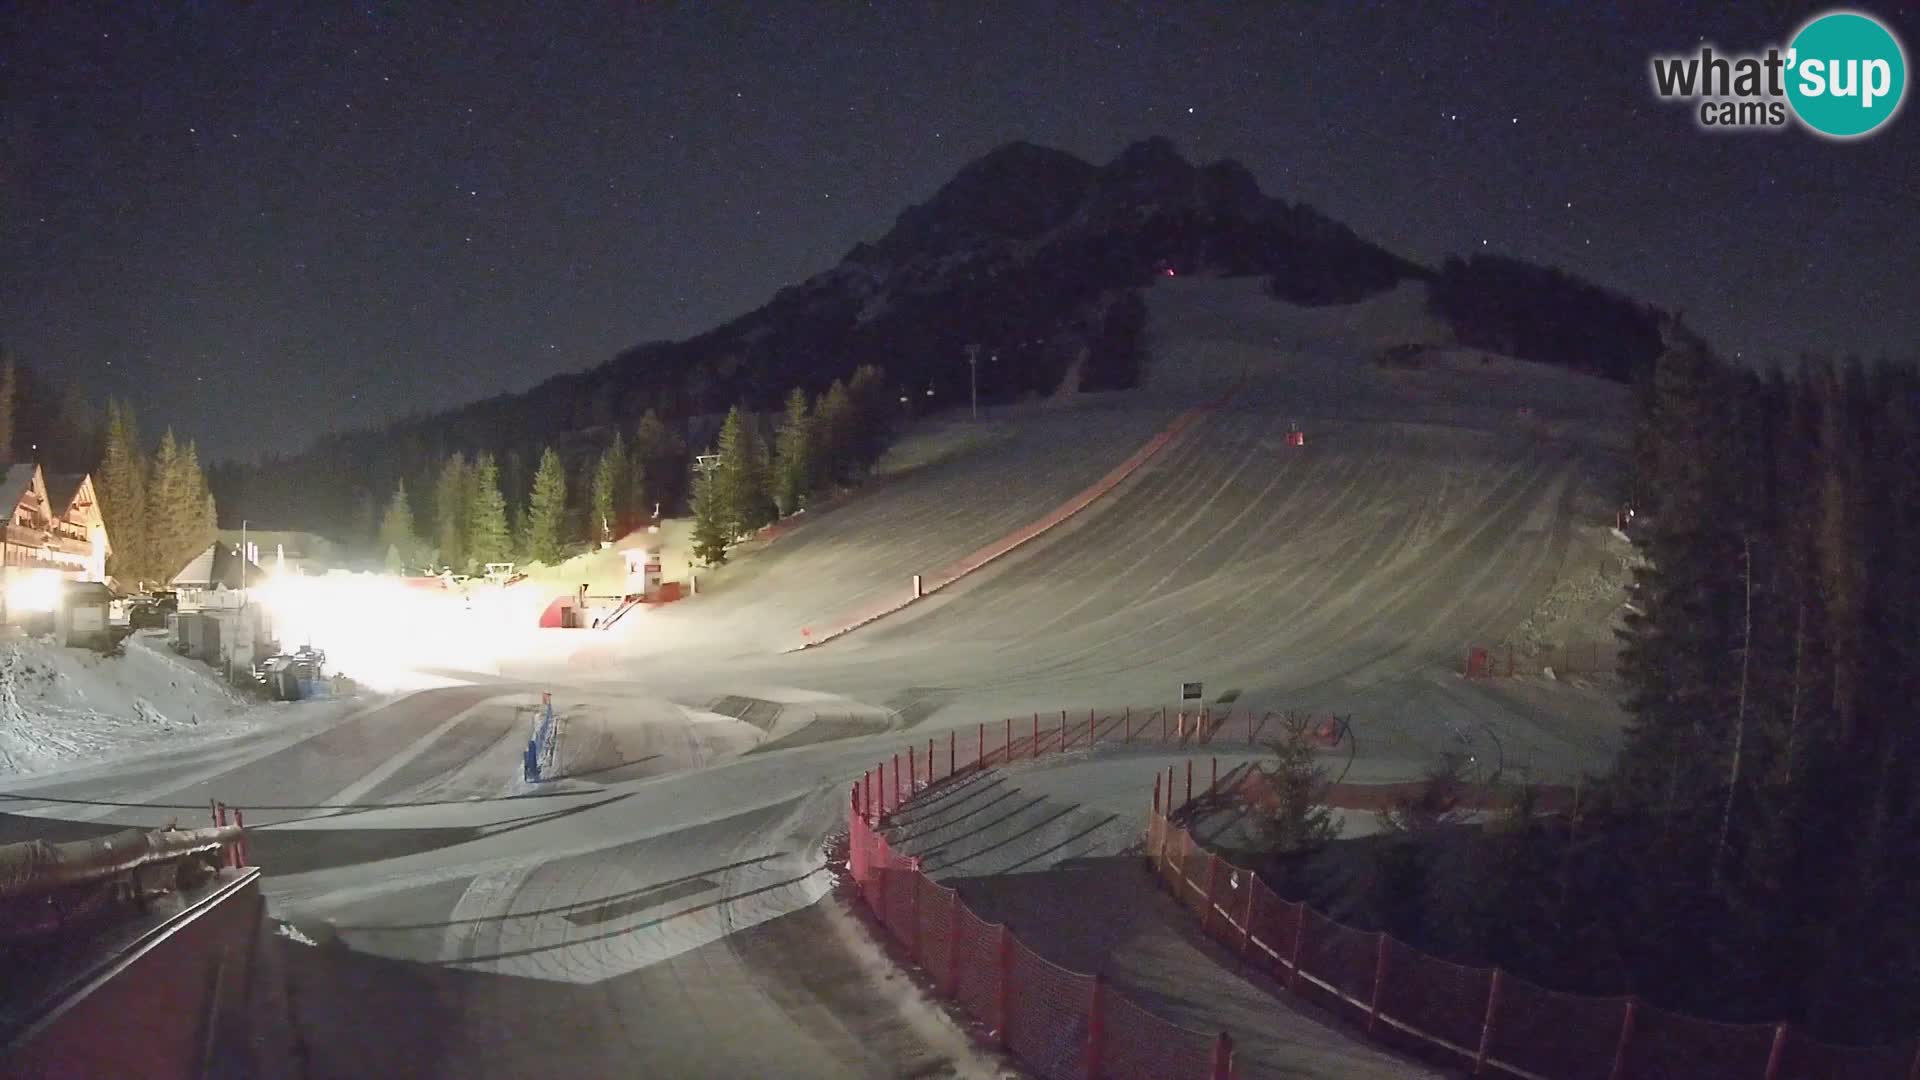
262 222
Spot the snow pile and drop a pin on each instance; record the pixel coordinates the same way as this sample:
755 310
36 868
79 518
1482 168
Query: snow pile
61 706
1583 605
600 734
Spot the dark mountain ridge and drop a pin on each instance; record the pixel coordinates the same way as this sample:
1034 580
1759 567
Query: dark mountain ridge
1028 252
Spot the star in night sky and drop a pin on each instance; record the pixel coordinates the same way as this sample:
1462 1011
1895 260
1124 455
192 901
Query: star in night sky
262 222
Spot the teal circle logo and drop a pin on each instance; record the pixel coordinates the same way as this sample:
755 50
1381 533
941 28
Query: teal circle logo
1846 74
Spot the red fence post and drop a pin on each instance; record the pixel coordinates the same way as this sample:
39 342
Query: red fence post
896 782
1626 1036
1249 727
1007 750
1379 983
1213 780
1156 792
881 806
1096 1025
1189 780
1222 1057
1778 1050
980 752
1170 807
929 761
1034 750
1063 731
240 847
1090 729
1126 725
1486 1025
913 770
213 812
1003 994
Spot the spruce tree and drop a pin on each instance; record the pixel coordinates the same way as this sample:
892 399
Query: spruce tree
122 488
793 467
396 529
169 510
871 409
452 502
1679 649
833 427
654 449
609 506
740 477
711 531
201 518
487 539
547 512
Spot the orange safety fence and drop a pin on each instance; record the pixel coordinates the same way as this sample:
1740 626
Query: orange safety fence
1061 1024
1485 1021
1564 658
992 744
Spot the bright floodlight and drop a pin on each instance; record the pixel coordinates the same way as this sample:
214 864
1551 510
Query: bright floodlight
33 590
385 631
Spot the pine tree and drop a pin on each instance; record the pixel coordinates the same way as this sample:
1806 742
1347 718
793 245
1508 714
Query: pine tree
650 472
200 516
452 504
833 426
711 531
871 409
122 488
793 467
487 538
169 510
547 512
609 505
740 477
396 529
9 392
1677 651
514 486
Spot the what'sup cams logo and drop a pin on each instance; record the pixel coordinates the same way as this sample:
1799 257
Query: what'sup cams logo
1842 76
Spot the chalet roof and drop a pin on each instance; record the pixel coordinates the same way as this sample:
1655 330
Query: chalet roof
218 565
18 480
61 488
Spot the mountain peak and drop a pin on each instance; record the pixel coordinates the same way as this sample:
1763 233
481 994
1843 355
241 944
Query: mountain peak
1017 191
